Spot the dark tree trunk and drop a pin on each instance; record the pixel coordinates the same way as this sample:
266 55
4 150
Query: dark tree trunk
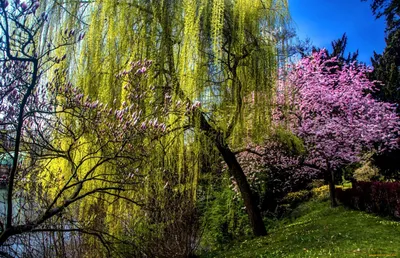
332 193
249 199
235 169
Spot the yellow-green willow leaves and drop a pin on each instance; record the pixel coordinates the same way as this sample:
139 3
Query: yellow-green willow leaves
217 24
220 53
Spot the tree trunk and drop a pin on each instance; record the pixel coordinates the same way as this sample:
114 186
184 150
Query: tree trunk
332 193
236 171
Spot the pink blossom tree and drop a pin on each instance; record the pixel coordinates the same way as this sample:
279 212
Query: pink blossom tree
331 109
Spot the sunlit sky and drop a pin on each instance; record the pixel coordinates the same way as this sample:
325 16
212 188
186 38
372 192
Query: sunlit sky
326 20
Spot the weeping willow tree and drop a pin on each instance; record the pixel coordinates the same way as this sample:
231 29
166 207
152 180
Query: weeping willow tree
211 82
214 70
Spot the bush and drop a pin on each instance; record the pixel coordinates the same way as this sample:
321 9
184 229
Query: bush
224 219
377 197
291 201
366 173
295 198
321 193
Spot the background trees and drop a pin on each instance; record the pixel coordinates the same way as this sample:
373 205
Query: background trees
390 9
338 51
386 65
386 70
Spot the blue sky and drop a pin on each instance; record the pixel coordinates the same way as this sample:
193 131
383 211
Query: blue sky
326 20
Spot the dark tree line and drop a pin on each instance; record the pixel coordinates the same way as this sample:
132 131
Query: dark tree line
387 65
387 70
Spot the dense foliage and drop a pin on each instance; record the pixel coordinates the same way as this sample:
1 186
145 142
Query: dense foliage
387 71
386 65
276 169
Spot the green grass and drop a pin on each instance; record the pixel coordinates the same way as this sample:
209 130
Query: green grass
320 231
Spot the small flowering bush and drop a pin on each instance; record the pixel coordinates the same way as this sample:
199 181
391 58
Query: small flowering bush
275 169
294 198
366 172
321 193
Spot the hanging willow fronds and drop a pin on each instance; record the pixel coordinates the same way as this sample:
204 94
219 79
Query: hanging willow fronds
221 53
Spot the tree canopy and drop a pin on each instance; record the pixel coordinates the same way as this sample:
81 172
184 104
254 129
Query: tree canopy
334 113
386 65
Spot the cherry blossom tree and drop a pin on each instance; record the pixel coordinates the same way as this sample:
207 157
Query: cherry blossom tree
331 109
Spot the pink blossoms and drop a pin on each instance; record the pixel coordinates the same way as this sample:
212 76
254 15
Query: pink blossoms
332 110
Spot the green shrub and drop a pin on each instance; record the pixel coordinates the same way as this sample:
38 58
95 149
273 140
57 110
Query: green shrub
321 193
366 172
295 198
224 220
317 183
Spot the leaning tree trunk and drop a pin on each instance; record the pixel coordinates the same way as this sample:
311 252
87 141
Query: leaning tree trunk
331 181
236 171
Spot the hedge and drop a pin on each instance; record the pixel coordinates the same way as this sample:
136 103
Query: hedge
376 197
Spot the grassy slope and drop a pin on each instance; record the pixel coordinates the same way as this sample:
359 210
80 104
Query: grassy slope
320 231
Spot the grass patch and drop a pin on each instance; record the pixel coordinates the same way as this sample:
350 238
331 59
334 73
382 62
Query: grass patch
320 231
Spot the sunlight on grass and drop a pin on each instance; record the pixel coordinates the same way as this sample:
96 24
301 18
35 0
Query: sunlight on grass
320 231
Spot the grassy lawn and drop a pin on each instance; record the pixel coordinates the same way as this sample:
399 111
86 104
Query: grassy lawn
320 231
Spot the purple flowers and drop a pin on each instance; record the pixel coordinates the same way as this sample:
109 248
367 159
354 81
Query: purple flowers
333 114
5 4
24 6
